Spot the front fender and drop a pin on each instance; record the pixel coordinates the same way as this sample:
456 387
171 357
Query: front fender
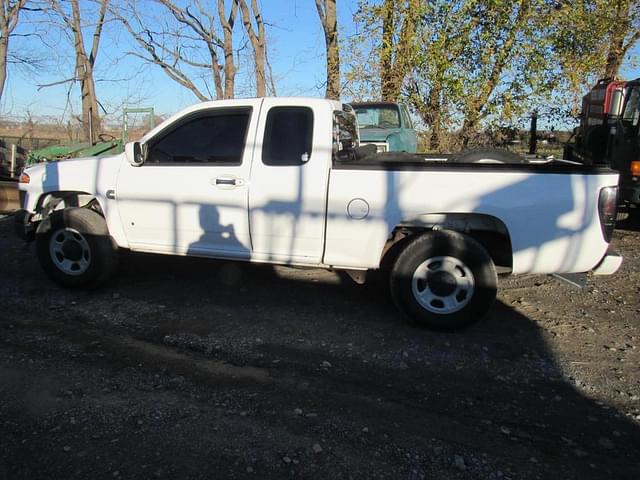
92 176
395 143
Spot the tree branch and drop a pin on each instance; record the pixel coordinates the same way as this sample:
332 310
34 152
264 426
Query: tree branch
98 31
59 82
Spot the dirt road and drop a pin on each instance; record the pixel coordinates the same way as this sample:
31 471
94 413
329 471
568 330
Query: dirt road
185 368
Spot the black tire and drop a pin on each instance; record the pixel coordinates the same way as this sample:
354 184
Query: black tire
488 155
74 248
444 280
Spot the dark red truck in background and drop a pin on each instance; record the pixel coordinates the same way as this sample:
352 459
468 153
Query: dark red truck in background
609 133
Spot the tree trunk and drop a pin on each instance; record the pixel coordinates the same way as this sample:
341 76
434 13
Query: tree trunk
435 118
386 52
619 30
614 58
90 118
85 64
333 53
258 42
469 128
4 50
396 57
329 19
227 32
9 15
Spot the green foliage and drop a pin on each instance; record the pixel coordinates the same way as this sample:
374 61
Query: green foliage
475 63
591 39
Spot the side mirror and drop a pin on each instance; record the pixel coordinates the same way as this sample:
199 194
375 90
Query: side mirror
139 154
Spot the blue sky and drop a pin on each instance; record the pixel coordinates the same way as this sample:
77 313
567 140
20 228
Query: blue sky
296 51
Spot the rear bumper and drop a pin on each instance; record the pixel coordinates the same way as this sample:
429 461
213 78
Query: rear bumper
609 264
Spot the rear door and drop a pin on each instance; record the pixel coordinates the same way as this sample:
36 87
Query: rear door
289 176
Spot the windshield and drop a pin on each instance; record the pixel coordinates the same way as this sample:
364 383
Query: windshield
378 117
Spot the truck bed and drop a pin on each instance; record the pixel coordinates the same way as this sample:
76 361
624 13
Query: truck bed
549 211
444 162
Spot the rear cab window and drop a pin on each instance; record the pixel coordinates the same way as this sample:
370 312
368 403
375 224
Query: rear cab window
288 136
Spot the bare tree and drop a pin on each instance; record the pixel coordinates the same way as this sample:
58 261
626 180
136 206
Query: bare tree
178 47
227 46
329 21
258 42
84 60
155 53
203 25
9 16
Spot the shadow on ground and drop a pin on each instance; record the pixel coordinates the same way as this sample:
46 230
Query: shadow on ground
188 368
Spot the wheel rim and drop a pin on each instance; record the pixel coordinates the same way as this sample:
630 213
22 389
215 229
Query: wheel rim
443 285
70 251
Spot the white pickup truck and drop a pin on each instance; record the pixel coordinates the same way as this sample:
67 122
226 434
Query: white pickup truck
282 180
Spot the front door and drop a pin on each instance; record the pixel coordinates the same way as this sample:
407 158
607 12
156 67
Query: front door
190 196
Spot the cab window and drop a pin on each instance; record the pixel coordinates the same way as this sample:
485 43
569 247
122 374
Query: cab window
378 116
288 136
631 110
205 138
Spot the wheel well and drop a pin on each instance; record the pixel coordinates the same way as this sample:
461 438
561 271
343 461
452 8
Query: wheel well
52 201
488 231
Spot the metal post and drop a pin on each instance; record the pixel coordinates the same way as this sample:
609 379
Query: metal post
125 127
14 152
533 140
125 120
91 126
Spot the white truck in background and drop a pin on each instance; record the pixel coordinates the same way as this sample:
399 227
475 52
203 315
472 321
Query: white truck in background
283 180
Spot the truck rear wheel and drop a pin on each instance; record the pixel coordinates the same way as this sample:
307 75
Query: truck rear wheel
444 280
74 248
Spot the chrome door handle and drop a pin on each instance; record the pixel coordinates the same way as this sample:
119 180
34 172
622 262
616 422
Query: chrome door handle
226 181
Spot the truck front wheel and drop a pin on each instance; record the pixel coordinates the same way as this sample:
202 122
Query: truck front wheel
444 280
74 248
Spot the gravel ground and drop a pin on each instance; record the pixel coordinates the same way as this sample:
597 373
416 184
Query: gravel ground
187 368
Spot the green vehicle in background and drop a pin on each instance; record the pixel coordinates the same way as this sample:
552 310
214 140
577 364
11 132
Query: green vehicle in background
74 150
386 125
107 144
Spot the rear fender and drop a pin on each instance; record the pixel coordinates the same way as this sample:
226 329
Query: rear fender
488 230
